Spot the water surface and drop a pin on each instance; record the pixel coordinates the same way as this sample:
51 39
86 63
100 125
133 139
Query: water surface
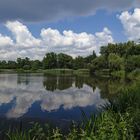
54 99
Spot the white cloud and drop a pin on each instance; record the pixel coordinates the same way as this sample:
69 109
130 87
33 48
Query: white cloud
131 23
75 43
23 44
22 35
5 41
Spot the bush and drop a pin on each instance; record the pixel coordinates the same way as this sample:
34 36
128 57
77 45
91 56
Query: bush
135 74
118 74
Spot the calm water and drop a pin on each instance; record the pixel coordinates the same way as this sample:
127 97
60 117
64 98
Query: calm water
53 99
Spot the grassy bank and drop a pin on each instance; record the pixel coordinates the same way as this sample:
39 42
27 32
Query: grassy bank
119 120
48 71
121 74
105 73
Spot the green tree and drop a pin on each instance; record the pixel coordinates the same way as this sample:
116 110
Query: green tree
99 63
132 63
3 64
27 63
36 64
78 63
115 62
89 58
50 61
64 61
20 63
11 65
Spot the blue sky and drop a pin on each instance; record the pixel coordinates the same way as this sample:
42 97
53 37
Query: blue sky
89 24
32 28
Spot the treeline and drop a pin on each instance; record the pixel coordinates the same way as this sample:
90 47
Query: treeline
114 58
50 61
117 59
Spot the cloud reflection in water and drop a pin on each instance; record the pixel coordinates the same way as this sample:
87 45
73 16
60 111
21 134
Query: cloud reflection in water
24 95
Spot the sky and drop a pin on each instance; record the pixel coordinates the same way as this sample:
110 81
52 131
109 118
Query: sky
32 28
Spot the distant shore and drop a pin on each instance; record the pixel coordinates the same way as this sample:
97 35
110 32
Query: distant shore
48 71
68 72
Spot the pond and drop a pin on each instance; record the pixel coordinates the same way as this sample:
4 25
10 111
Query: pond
53 99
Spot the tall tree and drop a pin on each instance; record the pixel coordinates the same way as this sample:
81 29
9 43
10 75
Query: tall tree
50 61
78 63
64 61
89 58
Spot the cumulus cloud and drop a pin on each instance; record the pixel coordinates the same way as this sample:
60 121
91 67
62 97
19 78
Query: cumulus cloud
75 43
23 44
38 10
5 41
131 23
22 35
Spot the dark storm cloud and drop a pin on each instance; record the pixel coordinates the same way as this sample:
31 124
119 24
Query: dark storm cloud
38 10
